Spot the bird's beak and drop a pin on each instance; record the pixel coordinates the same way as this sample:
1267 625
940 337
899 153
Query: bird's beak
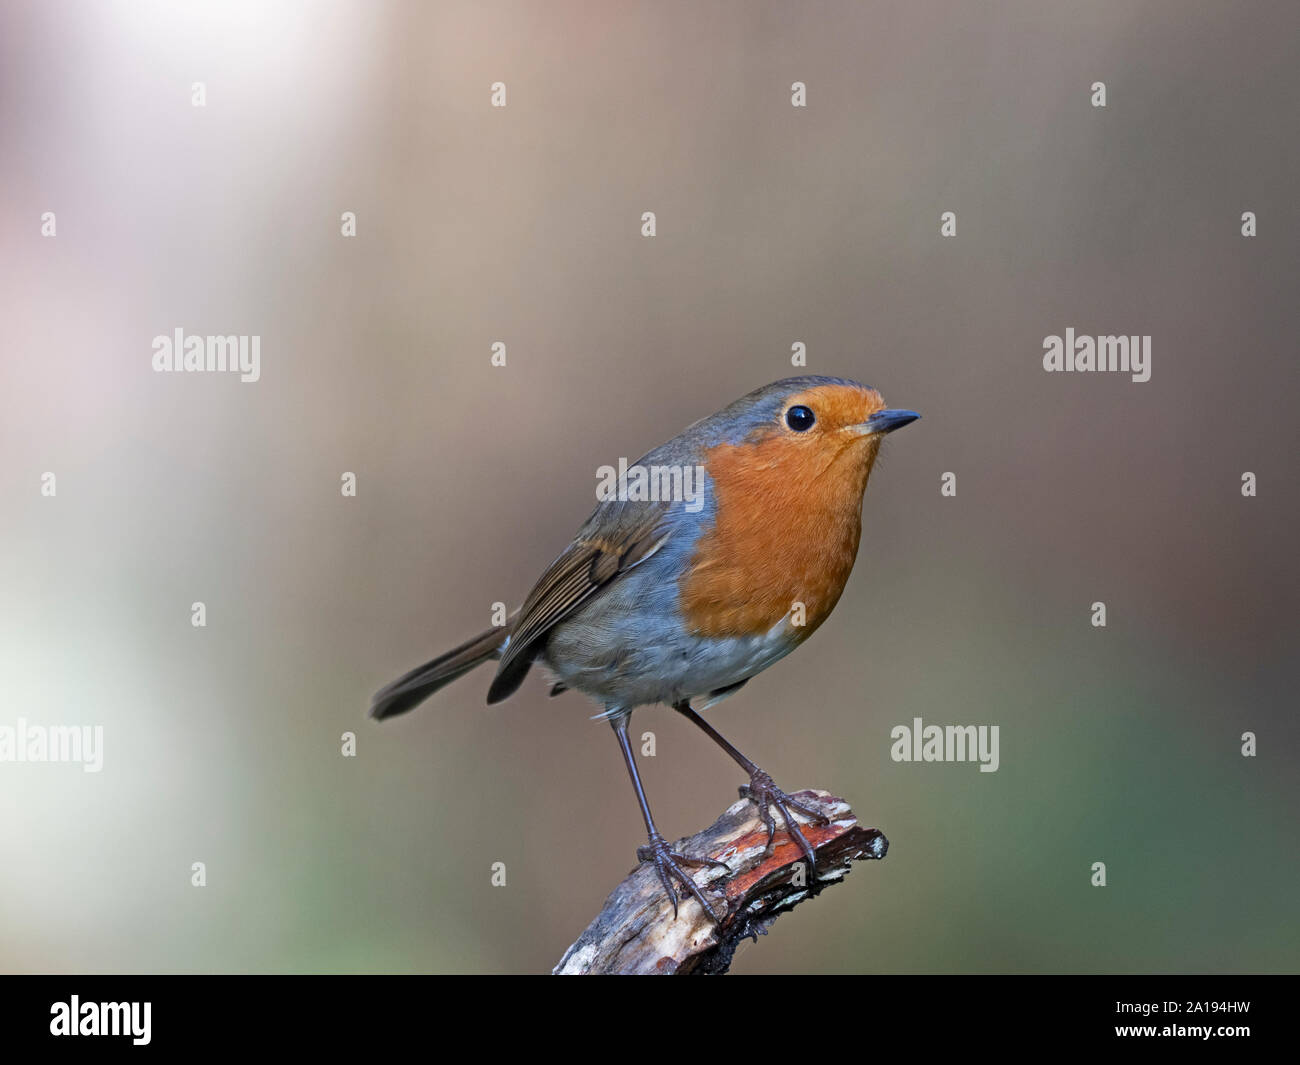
885 421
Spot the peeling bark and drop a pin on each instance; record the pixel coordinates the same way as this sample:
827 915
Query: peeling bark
635 931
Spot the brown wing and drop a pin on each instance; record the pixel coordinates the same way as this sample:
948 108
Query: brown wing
614 539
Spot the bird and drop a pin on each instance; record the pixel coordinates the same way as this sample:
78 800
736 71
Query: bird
677 598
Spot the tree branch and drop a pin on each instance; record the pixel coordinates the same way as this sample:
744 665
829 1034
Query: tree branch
635 931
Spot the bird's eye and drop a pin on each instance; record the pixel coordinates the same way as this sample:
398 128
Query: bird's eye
800 419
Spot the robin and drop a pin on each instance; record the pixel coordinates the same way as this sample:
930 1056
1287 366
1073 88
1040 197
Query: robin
661 598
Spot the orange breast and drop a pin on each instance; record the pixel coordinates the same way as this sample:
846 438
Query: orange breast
788 522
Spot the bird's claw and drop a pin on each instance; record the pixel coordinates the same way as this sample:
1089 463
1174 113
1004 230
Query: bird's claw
666 866
764 793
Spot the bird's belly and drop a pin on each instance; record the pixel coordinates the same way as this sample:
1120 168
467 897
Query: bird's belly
636 672
628 649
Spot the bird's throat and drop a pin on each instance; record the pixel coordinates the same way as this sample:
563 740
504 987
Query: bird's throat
784 540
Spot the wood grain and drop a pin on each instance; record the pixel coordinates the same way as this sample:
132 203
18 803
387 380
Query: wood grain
636 933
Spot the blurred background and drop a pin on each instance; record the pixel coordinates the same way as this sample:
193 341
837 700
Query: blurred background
522 224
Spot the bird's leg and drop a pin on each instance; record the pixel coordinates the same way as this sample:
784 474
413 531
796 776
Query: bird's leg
665 860
762 791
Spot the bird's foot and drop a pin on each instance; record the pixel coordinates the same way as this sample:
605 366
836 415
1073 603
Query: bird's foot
666 865
765 794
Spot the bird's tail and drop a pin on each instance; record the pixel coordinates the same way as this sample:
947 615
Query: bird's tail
411 689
